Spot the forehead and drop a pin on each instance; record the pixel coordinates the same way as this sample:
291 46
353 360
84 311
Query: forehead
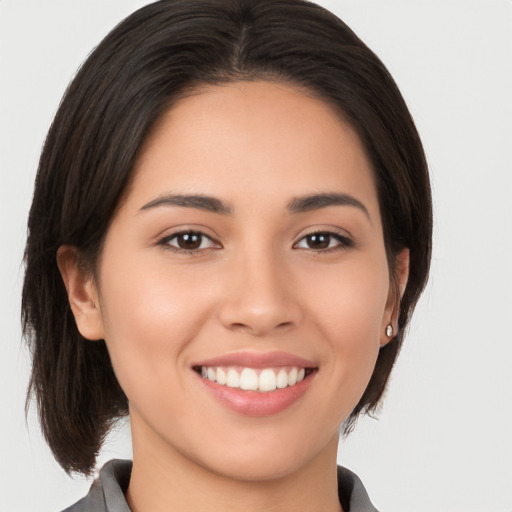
257 139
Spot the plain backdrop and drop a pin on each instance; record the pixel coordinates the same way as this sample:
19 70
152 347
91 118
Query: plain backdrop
443 442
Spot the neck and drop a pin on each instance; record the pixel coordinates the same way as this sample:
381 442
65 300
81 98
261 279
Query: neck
163 479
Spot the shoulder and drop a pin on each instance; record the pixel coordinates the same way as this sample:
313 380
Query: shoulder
352 493
107 491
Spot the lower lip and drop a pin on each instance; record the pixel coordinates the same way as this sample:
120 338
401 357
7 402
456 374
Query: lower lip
256 403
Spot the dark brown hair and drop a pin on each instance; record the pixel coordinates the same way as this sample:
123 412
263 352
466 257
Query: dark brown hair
136 73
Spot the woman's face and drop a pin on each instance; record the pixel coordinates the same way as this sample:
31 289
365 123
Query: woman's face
248 250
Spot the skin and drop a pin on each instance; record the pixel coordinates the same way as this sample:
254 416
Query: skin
256 284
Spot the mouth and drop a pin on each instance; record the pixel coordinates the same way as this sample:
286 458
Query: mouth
255 384
255 379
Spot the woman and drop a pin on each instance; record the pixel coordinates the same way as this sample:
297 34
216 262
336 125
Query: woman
230 229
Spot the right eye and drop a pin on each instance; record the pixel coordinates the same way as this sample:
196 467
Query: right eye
324 241
188 241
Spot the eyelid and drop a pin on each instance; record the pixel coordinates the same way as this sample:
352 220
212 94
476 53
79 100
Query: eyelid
177 229
165 239
345 240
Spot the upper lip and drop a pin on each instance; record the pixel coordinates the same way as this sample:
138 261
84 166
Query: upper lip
257 360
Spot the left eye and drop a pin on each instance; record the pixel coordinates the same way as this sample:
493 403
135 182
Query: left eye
322 241
188 241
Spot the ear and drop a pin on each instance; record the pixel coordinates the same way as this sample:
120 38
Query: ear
82 293
396 293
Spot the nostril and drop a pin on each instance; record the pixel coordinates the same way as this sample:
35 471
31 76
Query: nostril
284 325
238 325
258 314
258 328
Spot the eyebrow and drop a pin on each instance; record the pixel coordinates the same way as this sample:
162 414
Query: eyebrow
200 202
296 205
317 201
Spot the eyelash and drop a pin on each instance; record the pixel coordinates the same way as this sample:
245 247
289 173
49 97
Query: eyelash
344 242
165 242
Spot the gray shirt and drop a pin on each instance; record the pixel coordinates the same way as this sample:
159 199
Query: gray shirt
108 490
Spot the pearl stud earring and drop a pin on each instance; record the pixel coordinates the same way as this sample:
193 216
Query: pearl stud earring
389 331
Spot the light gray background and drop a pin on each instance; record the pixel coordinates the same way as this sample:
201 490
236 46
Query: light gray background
443 442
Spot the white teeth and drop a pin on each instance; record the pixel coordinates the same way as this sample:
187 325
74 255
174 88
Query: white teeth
221 376
233 378
267 380
292 377
250 379
282 379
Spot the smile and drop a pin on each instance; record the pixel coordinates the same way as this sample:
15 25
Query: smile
254 379
256 384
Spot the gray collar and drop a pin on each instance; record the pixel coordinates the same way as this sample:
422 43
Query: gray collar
107 491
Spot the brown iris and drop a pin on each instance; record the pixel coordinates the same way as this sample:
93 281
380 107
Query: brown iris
189 241
318 240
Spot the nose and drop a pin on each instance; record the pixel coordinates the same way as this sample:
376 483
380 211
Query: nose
260 297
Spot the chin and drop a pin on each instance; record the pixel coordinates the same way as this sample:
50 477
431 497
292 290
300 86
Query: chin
275 459
258 469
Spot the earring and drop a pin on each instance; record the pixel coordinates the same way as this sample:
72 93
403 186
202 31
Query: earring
389 331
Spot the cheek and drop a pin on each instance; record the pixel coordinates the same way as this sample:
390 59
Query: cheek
351 299
149 318
349 310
